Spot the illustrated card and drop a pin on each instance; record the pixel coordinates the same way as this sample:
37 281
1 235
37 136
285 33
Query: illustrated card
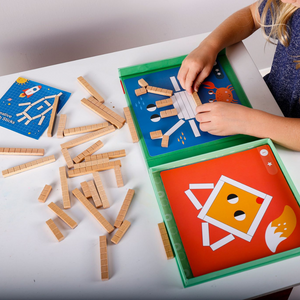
26 107
232 209
183 129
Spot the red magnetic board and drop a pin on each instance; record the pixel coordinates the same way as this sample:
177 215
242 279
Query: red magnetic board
232 209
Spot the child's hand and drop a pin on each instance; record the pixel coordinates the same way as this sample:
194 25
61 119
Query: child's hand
195 68
219 118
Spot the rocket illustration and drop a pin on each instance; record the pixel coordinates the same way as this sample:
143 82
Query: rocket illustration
30 92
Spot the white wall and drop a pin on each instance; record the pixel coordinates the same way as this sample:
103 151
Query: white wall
37 33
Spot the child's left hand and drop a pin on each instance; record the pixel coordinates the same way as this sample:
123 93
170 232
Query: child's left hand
219 118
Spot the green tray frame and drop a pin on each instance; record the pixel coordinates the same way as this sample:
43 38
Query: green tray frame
166 212
143 69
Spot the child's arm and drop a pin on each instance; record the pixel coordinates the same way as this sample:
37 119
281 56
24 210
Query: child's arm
221 118
198 64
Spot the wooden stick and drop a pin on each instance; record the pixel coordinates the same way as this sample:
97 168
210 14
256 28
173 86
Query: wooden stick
64 187
85 129
196 99
95 195
88 152
62 215
59 236
124 208
103 257
140 91
101 190
90 89
91 163
129 120
61 126
88 137
85 189
142 82
165 141
22 151
45 193
109 155
163 103
121 231
53 116
89 206
93 168
118 175
104 112
168 113
156 134
166 241
159 91
67 158
28 166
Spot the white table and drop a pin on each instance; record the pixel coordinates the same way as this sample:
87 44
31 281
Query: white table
33 265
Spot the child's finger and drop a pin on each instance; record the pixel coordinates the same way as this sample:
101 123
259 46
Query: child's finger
190 79
200 78
206 107
182 76
203 117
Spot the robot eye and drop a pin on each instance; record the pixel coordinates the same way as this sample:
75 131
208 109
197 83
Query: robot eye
151 107
232 198
239 215
155 118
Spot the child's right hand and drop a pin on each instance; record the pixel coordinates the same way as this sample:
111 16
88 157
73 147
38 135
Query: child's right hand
196 67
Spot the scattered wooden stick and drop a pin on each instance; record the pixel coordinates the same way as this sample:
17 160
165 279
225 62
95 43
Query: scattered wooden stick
22 151
118 176
166 241
85 189
59 236
61 125
129 120
104 112
45 193
89 206
90 89
88 137
85 129
121 231
109 155
88 152
62 215
124 208
93 168
64 187
103 257
95 195
101 190
28 166
67 158
53 115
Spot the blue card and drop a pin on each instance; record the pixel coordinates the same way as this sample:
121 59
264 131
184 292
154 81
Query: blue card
26 107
